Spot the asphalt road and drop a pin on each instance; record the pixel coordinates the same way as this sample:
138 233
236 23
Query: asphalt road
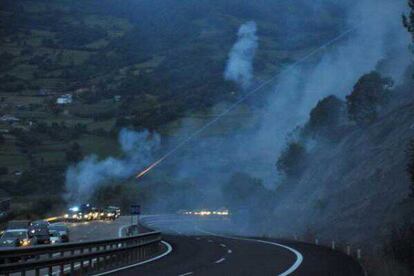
96 230
197 250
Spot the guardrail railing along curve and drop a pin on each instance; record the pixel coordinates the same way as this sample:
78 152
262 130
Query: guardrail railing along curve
80 257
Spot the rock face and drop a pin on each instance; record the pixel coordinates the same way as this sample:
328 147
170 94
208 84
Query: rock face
356 190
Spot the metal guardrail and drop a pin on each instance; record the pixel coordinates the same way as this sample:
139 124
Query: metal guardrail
81 257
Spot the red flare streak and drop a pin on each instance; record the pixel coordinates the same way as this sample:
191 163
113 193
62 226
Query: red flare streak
144 172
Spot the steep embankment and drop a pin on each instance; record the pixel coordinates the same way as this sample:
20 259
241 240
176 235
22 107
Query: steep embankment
356 189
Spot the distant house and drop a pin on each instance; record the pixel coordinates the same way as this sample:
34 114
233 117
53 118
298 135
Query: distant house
9 119
17 173
64 99
82 90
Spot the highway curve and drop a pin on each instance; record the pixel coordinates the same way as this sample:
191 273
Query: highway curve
196 251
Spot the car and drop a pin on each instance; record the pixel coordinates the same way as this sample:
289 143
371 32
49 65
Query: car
79 213
62 230
112 212
39 233
39 223
55 237
15 238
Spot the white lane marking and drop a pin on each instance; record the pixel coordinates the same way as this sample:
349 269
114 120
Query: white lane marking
185 274
222 245
210 241
299 257
169 249
229 251
122 229
220 260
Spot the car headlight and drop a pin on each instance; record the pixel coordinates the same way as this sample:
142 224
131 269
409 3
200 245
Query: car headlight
66 215
25 242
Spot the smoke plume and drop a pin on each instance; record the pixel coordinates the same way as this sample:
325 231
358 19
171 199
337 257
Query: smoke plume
240 63
212 161
85 177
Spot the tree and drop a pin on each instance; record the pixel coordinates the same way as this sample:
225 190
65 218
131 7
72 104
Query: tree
4 170
410 166
409 21
370 93
248 200
325 117
292 160
74 154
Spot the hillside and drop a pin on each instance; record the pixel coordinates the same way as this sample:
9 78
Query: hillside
137 64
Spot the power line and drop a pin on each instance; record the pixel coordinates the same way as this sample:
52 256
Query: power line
240 100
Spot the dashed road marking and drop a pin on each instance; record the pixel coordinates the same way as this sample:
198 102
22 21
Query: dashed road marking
296 264
185 274
229 251
220 260
222 245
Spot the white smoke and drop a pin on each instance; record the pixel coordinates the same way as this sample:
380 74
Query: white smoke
377 33
83 178
240 63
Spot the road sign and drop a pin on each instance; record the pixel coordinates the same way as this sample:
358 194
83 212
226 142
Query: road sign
135 209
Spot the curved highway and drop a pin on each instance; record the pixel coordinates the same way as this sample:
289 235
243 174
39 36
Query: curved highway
199 249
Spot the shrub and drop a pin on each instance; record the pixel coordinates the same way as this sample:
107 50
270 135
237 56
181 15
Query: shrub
369 94
400 247
74 153
325 117
292 160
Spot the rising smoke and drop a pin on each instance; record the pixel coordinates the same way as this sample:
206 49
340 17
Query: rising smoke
212 160
376 34
240 63
85 177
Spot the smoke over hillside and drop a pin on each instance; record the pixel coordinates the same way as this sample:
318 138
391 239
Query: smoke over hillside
85 177
374 39
211 161
240 64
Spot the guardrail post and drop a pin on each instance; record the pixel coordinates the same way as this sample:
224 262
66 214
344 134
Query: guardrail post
359 253
333 245
348 250
316 241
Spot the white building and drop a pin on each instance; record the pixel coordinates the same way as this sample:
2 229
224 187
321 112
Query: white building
9 119
64 99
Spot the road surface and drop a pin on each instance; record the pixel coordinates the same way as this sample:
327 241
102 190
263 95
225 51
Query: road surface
96 230
198 248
